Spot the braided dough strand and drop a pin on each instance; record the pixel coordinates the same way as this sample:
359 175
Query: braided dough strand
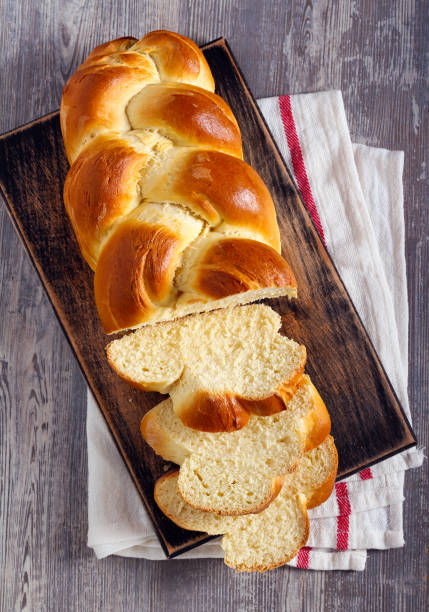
165 210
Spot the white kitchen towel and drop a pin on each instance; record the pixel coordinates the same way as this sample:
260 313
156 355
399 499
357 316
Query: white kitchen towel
354 194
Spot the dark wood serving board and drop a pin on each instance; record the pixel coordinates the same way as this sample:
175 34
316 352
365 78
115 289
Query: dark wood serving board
367 420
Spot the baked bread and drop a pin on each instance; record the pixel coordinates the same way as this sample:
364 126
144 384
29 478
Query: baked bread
258 542
218 367
174 222
238 472
166 212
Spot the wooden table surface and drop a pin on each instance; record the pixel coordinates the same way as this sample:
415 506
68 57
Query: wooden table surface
377 54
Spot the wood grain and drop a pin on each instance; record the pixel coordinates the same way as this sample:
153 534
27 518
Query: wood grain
376 53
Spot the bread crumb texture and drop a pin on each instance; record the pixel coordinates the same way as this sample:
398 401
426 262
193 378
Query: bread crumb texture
258 542
236 472
217 367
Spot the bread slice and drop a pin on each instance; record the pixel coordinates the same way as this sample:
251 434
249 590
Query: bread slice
218 367
238 472
258 542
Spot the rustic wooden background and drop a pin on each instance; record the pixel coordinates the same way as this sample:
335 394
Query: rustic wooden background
377 54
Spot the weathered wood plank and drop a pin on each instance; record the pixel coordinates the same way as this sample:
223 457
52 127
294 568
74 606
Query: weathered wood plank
375 53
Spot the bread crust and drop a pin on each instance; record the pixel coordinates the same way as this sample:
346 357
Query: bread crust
321 493
270 404
163 445
318 422
187 115
135 270
177 58
123 303
100 188
113 46
315 429
117 71
236 265
221 189
213 413
129 113
171 450
229 412
86 105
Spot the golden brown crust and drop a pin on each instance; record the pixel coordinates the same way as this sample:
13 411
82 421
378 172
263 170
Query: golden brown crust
112 46
100 188
212 413
136 268
265 406
143 91
117 71
321 493
287 390
236 265
155 437
318 422
177 57
188 115
173 473
221 189
138 263
316 429
86 105
229 412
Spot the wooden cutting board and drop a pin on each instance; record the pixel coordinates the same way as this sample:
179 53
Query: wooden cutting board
368 422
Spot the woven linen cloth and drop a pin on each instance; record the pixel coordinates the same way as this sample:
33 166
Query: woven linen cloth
354 195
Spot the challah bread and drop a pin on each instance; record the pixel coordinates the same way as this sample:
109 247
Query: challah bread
258 542
166 212
238 472
218 367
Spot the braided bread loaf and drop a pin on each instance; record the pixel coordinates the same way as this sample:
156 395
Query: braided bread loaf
166 212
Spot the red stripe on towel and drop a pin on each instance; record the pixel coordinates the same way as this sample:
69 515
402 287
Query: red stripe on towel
303 557
341 490
344 508
298 162
366 474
